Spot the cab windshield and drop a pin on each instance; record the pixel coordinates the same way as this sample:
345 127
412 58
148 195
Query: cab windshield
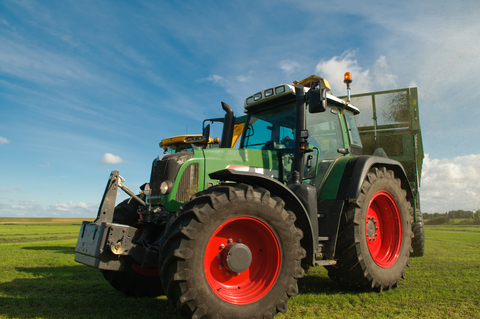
271 131
276 131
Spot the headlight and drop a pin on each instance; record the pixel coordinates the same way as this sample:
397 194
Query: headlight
257 96
166 187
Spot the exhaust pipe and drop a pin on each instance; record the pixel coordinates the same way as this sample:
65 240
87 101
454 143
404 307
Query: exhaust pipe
228 126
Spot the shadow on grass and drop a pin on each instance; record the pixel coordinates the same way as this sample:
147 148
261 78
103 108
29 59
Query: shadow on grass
317 284
68 250
73 292
82 292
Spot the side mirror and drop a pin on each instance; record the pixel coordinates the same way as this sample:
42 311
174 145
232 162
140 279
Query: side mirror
206 133
317 98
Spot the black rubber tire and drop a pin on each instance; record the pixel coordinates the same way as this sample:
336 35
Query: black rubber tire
418 241
188 235
132 283
356 269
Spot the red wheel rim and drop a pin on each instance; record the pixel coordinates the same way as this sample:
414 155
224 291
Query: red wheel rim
253 283
383 228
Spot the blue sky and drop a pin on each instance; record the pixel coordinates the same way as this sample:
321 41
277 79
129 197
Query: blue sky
87 87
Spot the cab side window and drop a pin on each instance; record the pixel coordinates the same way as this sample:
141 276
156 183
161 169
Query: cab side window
353 134
325 132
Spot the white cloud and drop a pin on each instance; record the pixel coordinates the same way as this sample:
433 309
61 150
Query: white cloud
15 190
70 206
22 208
450 184
111 159
3 140
374 78
381 76
217 79
243 78
289 66
44 165
32 209
26 61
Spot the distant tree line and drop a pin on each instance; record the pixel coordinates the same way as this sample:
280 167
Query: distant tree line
436 218
453 214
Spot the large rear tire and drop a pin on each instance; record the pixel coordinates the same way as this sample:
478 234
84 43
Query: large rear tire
232 251
375 234
135 281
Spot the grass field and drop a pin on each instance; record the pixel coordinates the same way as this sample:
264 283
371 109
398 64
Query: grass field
40 279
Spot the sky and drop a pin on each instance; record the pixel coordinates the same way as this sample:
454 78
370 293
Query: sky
87 87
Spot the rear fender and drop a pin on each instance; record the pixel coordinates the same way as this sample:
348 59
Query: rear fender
335 194
292 202
356 171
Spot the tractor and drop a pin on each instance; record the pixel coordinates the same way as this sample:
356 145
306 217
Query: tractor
227 232
190 142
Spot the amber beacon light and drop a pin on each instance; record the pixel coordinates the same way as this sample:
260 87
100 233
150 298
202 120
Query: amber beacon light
347 79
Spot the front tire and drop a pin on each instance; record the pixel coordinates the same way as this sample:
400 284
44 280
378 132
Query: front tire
375 234
135 281
232 252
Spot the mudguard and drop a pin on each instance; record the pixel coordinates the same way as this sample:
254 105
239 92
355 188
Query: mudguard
356 170
352 174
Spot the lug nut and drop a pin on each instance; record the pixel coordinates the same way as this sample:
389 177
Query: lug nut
230 240
222 246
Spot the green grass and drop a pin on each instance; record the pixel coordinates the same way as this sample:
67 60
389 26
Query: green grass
40 279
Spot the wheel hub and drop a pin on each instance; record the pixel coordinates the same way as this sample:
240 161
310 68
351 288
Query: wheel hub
371 228
236 257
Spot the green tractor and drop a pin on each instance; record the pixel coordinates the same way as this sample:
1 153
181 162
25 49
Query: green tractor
227 232
191 142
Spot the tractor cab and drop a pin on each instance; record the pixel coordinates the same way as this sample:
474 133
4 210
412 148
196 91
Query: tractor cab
326 133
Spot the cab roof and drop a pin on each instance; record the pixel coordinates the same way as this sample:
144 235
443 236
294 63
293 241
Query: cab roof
287 92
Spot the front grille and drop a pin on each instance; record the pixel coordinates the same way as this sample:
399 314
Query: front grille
188 185
166 169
